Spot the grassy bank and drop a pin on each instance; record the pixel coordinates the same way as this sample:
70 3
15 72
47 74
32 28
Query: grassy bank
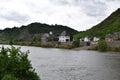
38 44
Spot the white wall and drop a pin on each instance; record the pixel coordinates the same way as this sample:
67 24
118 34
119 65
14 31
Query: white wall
64 38
86 39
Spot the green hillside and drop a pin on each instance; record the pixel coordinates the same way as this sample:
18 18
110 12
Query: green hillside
109 25
30 31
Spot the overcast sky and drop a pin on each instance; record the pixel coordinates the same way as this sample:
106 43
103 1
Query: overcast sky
77 14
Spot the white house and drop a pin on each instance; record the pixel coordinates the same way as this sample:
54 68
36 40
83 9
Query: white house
87 39
96 39
64 37
44 37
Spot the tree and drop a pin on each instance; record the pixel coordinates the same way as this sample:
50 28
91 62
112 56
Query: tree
102 45
14 65
9 77
76 43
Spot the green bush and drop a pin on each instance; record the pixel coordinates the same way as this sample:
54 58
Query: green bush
76 43
9 77
14 65
102 46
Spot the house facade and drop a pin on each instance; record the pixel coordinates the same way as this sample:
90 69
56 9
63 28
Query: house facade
87 39
112 37
44 37
64 37
96 39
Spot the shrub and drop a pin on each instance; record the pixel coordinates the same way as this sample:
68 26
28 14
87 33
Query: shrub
102 46
15 65
76 43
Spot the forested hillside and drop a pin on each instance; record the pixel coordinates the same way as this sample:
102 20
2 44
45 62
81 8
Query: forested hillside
30 31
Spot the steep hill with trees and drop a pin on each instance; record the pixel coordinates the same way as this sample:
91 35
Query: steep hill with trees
109 25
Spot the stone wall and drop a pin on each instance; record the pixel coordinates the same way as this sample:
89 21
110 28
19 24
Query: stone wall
114 44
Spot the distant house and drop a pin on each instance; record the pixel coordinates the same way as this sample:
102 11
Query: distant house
52 37
109 37
64 37
44 37
112 37
96 39
49 38
87 39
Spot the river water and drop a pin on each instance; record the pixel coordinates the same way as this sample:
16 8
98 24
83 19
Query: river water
61 64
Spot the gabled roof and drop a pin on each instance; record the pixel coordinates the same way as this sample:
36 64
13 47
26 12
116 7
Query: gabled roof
64 33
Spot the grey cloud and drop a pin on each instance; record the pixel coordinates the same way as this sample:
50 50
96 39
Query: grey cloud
89 7
94 8
61 2
14 16
66 2
69 12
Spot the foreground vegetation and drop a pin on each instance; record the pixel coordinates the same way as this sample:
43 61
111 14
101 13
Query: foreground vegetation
14 65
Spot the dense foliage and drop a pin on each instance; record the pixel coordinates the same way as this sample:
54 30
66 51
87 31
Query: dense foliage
45 28
76 43
14 65
109 25
102 46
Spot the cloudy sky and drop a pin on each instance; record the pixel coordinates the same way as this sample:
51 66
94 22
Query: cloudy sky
77 14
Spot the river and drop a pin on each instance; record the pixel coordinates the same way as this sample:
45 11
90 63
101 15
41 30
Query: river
61 64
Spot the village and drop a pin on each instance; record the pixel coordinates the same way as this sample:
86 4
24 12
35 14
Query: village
64 39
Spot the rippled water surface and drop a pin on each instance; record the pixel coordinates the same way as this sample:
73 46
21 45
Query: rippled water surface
61 64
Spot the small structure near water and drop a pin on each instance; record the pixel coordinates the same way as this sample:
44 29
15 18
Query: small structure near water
44 37
64 37
87 41
50 38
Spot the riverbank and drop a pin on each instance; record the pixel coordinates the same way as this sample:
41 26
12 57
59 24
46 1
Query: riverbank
38 44
83 48
98 47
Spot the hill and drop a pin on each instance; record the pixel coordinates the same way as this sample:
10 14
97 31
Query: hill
109 25
30 31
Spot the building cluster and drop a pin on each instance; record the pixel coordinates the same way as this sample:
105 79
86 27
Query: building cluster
112 37
65 39
87 41
113 40
61 39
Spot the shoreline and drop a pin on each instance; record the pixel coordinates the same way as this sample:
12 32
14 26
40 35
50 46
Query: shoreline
111 49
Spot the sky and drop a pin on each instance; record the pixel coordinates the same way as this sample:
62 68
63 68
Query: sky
77 14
